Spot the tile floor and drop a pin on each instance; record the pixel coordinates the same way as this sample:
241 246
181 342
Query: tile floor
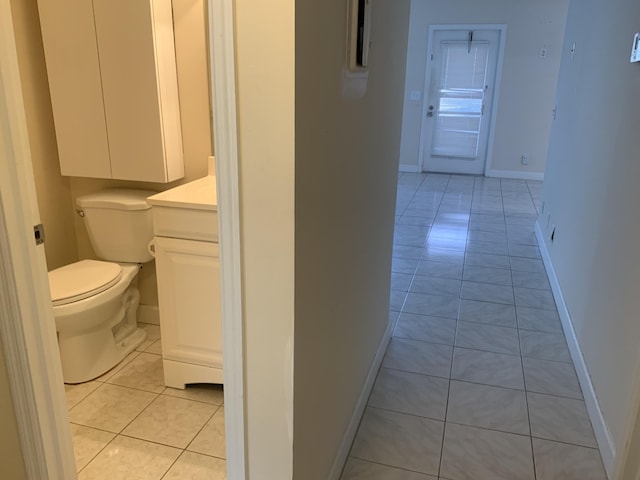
477 382
128 425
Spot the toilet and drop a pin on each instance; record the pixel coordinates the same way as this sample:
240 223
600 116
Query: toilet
95 302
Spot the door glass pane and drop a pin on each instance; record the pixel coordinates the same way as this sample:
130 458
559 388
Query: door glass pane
459 98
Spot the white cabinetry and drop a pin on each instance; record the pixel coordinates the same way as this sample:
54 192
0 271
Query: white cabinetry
189 296
114 90
188 272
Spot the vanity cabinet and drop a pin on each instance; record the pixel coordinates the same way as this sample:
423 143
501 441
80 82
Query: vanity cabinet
188 273
189 295
114 91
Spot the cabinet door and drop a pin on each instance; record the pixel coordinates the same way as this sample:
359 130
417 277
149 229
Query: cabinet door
137 60
69 39
189 297
114 88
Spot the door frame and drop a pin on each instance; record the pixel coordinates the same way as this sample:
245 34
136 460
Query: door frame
27 325
222 82
491 109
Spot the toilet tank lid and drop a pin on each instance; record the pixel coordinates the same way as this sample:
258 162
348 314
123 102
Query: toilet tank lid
82 279
117 199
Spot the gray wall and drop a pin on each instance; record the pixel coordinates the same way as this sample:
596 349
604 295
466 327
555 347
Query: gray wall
346 173
526 95
591 194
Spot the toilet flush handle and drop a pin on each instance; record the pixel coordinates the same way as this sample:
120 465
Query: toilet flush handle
80 212
152 248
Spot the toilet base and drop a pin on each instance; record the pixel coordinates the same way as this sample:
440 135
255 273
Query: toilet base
88 363
104 330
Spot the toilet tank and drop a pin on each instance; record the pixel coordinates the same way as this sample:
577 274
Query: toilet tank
119 223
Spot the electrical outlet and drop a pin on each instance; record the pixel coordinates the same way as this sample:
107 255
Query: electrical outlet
543 53
524 159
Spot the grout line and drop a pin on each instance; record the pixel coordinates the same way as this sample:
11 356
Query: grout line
139 413
172 464
440 420
165 394
526 397
455 335
524 378
525 435
391 466
202 428
115 435
566 443
154 442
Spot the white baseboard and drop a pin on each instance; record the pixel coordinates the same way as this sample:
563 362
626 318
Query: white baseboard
149 314
515 175
408 168
358 411
511 174
603 436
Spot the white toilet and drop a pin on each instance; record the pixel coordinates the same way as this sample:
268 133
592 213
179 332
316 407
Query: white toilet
95 302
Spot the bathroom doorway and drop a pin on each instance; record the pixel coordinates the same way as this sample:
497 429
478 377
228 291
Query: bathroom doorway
27 326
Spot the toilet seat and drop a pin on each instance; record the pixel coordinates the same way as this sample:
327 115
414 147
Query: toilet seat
81 280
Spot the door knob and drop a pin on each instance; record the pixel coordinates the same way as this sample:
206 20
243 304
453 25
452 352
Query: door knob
430 112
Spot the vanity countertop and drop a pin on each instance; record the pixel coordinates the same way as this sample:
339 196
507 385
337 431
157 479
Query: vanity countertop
198 194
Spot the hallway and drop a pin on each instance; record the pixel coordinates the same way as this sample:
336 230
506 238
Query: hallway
477 382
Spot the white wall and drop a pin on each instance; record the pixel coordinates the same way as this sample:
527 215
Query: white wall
265 96
526 96
591 194
346 173
317 181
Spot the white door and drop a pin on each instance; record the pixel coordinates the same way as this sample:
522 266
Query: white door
460 78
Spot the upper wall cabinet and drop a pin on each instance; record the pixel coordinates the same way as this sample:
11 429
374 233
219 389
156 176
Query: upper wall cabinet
114 90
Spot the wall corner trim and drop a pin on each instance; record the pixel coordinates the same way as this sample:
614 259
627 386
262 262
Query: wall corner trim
358 411
603 436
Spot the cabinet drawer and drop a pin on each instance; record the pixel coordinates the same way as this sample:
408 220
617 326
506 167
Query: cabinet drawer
190 223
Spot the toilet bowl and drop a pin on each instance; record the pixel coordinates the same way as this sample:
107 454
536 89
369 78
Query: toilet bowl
95 305
95 302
